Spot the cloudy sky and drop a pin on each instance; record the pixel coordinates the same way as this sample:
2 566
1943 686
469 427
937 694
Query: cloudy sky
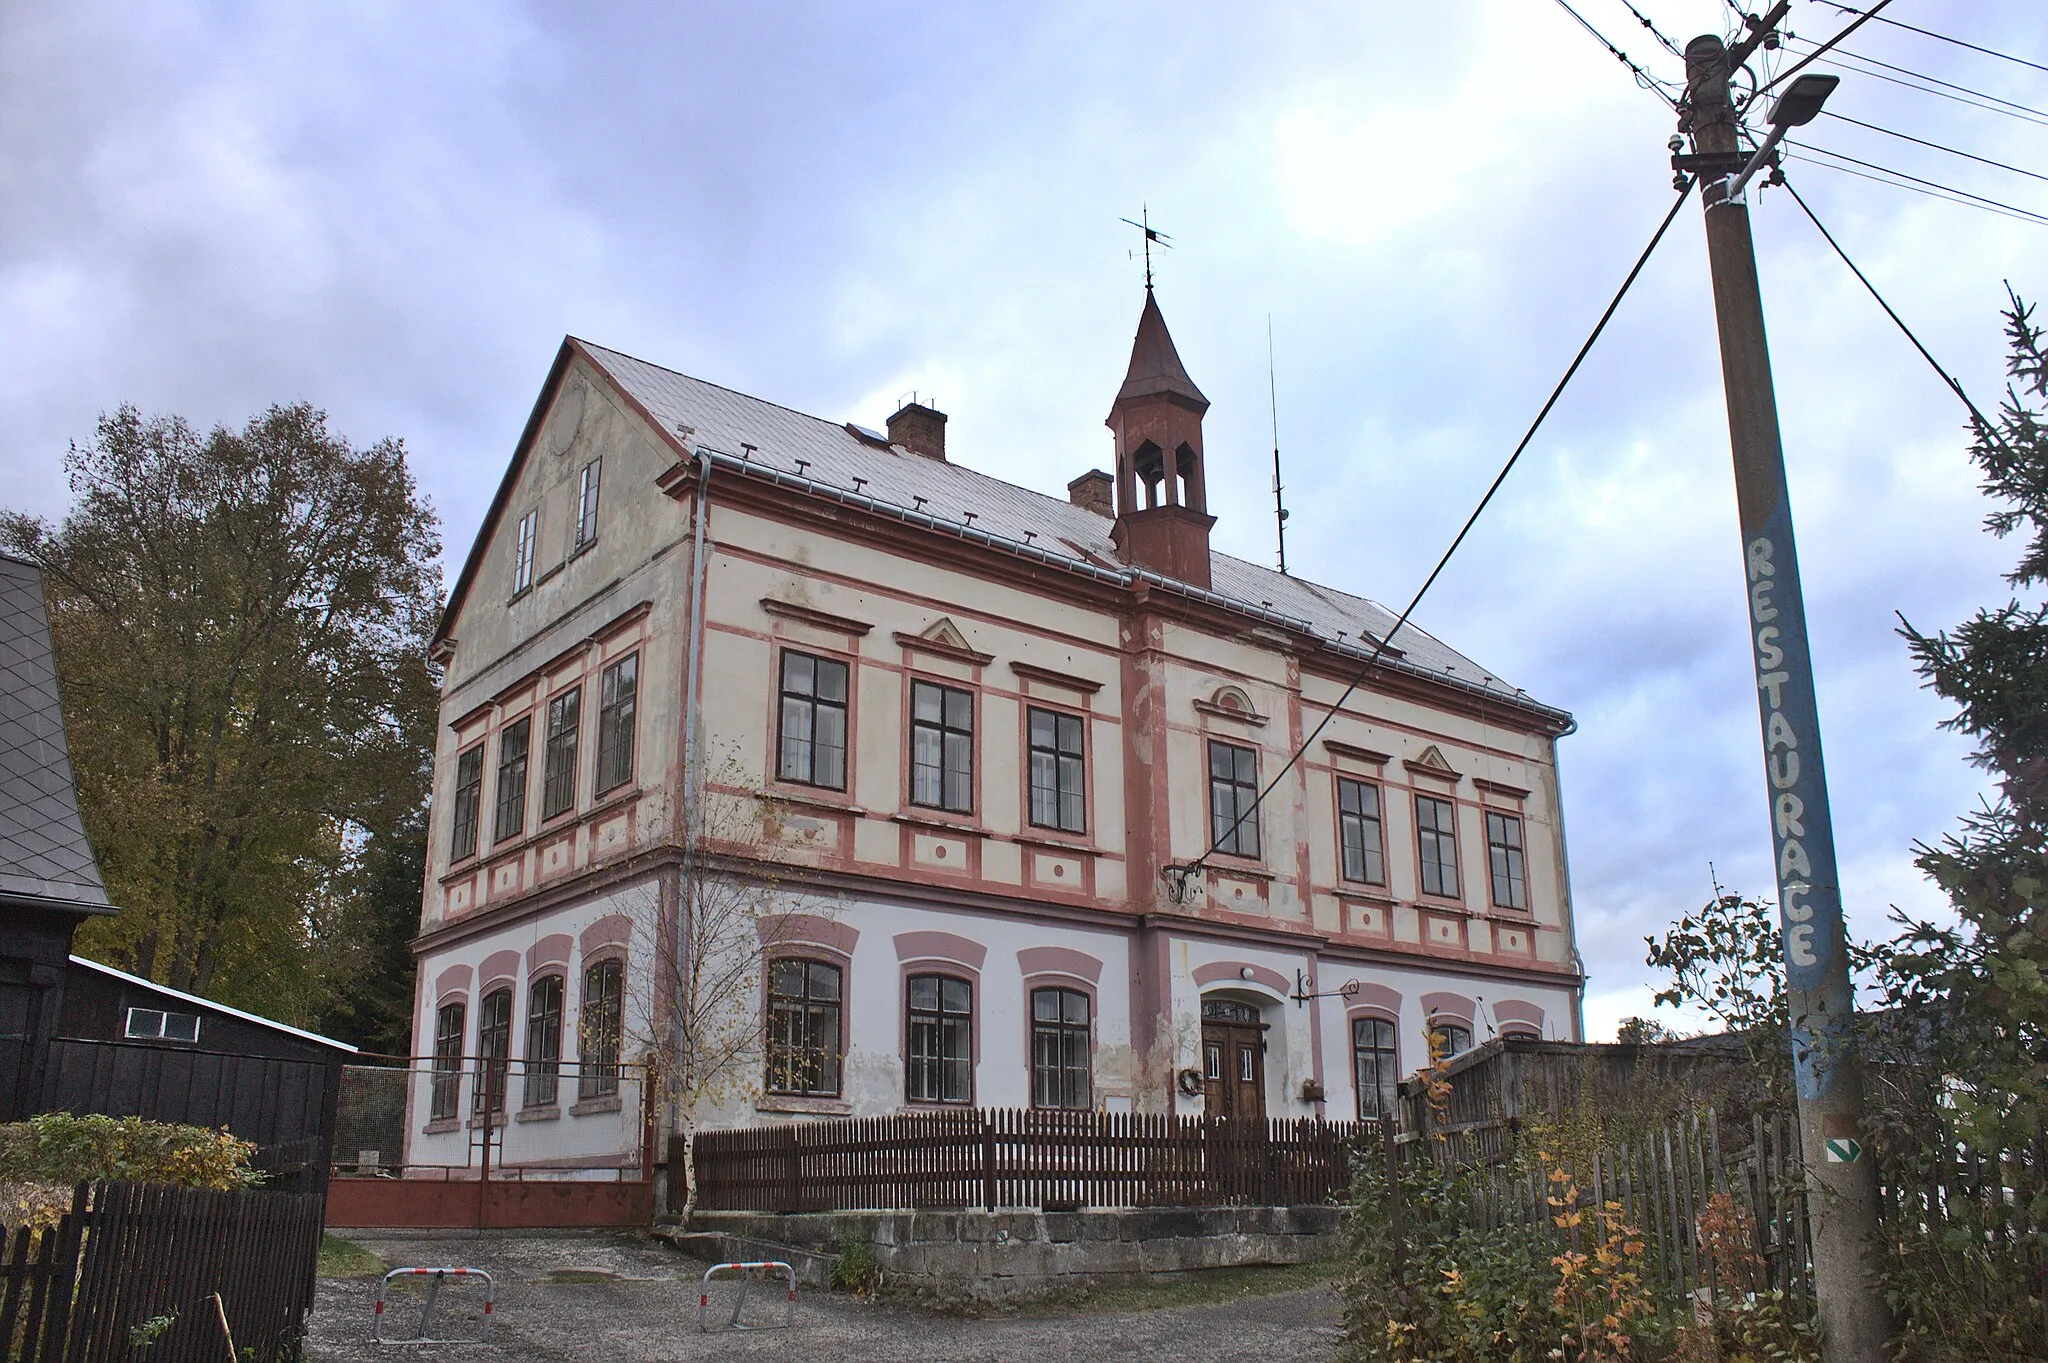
396 211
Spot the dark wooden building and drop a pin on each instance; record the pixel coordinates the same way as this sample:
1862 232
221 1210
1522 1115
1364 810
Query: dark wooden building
79 1036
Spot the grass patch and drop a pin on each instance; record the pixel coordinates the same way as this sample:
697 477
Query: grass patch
341 1259
1204 1287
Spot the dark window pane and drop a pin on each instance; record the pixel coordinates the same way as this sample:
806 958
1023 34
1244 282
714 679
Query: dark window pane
448 1037
618 693
512 748
469 784
942 747
1233 799
803 1027
1060 1049
543 1040
600 1031
558 775
493 1045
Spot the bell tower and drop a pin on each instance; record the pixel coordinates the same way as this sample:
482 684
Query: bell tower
1162 511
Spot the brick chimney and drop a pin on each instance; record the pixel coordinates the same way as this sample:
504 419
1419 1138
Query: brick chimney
919 429
1096 491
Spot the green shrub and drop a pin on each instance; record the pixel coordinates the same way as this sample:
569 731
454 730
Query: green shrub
64 1148
855 1269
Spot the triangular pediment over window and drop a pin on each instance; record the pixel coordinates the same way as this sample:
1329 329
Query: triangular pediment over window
1432 763
943 632
942 638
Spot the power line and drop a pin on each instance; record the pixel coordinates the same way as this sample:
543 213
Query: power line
1644 20
1182 872
1932 184
1907 137
1913 189
1983 425
1942 37
1932 80
1643 78
1847 61
1816 54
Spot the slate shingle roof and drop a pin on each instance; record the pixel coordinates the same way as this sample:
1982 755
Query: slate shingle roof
793 443
43 849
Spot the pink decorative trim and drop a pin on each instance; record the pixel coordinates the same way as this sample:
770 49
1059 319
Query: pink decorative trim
499 965
554 949
612 930
1232 972
1509 1012
1059 961
454 980
1375 999
940 946
1449 1007
781 930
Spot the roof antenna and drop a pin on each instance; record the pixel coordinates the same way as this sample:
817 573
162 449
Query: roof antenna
1152 235
1273 398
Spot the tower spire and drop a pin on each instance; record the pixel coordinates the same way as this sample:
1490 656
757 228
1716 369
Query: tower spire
1162 516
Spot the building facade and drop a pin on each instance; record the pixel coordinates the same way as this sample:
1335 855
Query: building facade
1009 752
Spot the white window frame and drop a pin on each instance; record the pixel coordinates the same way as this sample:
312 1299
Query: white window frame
153 1024
522 564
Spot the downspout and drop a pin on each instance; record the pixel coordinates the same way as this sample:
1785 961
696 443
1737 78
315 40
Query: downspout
693 784
1564 865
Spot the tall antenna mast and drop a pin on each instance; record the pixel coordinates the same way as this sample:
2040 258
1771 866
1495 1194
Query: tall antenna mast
1273 397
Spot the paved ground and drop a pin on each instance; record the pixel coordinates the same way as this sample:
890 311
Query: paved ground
602 1296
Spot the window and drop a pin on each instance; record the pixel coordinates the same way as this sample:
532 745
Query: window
803 1027
543 1041
558 778
469 790
942 747
448 1032
1358 830
1504 852
151 1024
522 563
1060 1049
1373 1068
512 747
1521 1031
616 691
1447 1039
940 1066
1436 837
1057 771
1233 795
813 751
601 1029
586 504
493 1046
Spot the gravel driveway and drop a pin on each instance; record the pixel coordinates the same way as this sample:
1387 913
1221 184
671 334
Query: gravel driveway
600 1296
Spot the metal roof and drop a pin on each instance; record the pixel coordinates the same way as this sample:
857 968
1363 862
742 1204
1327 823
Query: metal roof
44 853
805 451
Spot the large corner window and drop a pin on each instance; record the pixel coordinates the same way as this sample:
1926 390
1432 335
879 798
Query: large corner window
449 1025
1374 1068
940 1066
522 562
617 691
469 790
493 1049
1060 1049
803 1027
811 747
1360 832
512 750
558 777
1504 854
1233 799
1436 845
602 1029
543 1041
942 747
1058 771
586 504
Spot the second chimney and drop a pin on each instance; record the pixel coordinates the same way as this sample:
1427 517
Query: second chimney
919 429
1094 490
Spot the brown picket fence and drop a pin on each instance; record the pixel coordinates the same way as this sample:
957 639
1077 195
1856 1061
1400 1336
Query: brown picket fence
179 1270
1020 1157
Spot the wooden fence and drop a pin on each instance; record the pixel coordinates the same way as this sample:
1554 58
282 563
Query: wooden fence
129 1255
1665 1182
1009 1157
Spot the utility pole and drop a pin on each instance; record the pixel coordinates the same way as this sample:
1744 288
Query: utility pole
1841 1180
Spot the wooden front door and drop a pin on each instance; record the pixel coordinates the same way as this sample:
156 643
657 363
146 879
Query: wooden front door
1233 1061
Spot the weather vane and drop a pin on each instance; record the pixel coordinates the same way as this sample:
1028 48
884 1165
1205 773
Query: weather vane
1151 235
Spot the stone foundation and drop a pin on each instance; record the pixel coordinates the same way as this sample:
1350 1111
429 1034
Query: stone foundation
1016 1256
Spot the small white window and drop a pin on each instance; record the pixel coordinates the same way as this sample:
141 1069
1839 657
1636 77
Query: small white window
151 1024
522 570
586 504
